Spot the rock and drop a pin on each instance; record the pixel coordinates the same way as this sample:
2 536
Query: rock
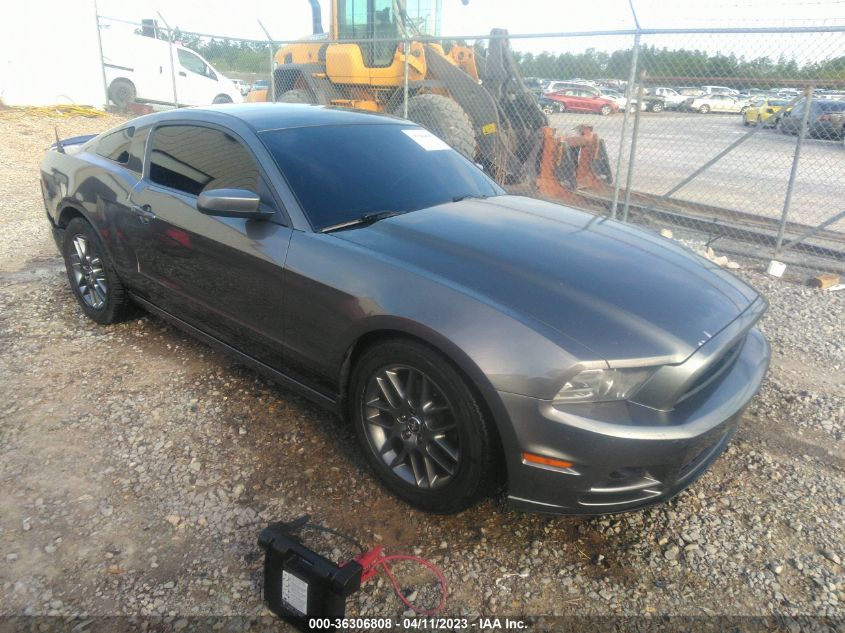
672 552
832 556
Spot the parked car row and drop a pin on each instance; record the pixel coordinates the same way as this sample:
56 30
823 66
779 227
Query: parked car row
826 119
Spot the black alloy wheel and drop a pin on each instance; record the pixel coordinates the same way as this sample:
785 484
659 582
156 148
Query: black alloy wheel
421 427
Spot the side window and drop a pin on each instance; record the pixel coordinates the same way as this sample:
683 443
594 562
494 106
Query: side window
354 19
191 159
191 62
115 146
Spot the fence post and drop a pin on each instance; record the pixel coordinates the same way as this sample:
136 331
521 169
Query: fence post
632 157
407 49
635 52
793 174
272 95
172 64
102 61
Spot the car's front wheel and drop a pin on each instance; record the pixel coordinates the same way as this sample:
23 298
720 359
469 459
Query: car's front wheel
605 110
704 109
92 277
421 427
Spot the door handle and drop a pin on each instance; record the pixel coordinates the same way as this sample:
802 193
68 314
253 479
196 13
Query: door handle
144 213
182 73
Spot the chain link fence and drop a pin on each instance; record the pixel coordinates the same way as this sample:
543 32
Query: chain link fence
733 137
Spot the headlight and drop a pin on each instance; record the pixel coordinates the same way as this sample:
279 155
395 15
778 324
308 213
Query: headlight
603 385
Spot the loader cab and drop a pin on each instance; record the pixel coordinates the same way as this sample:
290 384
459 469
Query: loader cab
369 20
378 21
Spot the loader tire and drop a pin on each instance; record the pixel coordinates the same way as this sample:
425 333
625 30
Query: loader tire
297 95
444 118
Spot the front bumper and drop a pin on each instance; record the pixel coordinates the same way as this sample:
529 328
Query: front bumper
642 458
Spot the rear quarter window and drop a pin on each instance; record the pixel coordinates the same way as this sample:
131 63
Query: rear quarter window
124 147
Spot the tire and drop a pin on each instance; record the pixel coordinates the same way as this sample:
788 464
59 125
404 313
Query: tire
396 439
122 92
745 122
222 99
704 109
106 300
444 118
561 106
758 122
605 110
547 109
297 95
657 107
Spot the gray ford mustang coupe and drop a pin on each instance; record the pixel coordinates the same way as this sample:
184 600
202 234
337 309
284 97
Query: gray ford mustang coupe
475 340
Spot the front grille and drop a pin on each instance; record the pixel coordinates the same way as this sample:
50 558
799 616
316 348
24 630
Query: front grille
717 368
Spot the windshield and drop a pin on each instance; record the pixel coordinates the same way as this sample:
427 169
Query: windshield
342 173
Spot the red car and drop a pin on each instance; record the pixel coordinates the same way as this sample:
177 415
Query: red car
582 100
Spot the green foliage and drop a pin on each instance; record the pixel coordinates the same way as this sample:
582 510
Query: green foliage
677 64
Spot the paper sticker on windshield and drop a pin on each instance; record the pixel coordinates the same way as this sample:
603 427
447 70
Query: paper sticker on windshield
426 140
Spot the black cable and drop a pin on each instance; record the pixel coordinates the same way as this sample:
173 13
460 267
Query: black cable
345 537
292 527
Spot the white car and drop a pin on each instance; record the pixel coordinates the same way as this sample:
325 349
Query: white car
671 98
720 90
617 97
138 67
717 103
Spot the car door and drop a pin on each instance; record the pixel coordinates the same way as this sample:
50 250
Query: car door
717 103
574 100
196 83
221 275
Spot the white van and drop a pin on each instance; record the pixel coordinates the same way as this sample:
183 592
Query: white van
138 68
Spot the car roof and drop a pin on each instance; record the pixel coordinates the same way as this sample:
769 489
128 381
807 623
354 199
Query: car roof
278 116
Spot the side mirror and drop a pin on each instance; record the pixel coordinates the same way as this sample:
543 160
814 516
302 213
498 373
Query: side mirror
232 203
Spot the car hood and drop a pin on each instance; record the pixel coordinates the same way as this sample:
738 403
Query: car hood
624 293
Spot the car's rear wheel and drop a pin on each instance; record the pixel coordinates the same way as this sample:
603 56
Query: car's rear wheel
122 92
547 109
605 110
92 277
657 107
561 106
445 118
704 109
222 99
421 427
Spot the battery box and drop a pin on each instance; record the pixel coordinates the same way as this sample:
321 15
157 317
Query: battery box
301 585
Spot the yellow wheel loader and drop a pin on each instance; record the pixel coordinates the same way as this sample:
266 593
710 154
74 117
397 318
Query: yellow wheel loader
478 104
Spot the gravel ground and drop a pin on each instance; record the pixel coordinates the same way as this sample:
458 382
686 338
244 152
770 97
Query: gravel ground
137 467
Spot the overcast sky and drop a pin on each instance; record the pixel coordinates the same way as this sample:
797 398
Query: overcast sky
290 19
